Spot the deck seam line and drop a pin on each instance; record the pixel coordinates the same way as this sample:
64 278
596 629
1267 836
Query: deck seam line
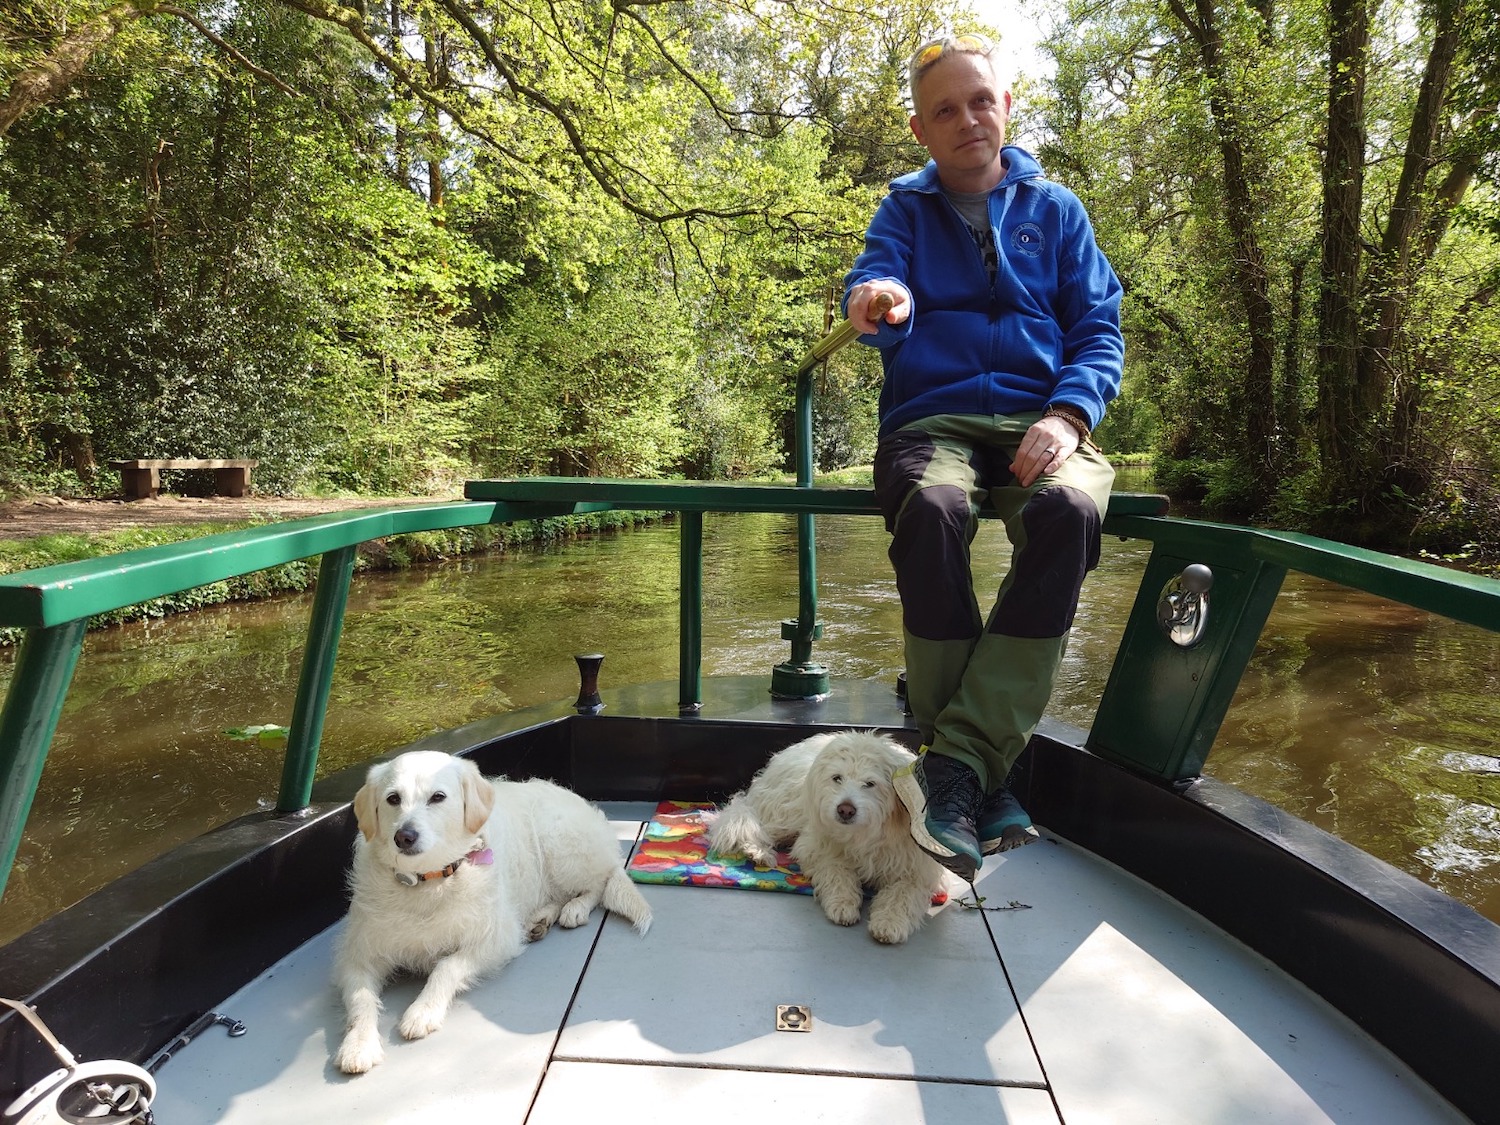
813 1072
1036 1050
583 970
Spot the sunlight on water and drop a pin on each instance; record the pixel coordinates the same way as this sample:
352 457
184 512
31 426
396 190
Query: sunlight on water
1371 720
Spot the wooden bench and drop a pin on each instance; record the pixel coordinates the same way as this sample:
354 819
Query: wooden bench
141 477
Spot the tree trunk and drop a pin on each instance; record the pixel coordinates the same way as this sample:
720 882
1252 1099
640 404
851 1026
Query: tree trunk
437 75
1343 432
68 432
398 111
1257 397
46 80
1384 391
1391 271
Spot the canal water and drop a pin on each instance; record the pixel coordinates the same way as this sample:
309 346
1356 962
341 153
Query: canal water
1373 721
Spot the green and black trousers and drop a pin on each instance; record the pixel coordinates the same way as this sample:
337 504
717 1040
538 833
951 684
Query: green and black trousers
977 688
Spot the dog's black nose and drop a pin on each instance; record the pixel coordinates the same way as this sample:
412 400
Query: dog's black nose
846 811
406 838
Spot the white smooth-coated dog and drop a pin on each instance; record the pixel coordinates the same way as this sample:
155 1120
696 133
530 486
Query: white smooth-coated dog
830 797
453 874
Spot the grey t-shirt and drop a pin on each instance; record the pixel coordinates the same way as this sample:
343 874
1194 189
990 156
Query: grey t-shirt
974 207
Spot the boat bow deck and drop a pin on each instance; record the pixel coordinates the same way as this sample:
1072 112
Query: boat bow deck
1096 1000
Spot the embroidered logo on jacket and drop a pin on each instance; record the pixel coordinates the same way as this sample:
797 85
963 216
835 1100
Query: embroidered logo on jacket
1027 239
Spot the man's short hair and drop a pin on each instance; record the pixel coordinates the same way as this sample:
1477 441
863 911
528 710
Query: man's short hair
927 55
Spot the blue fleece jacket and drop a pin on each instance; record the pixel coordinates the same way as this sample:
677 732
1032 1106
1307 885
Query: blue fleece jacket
1048 329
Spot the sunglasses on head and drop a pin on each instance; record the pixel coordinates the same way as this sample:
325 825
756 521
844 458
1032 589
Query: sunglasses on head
929 53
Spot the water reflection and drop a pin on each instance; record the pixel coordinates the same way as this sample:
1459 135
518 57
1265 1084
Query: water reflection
1376 722
1371 720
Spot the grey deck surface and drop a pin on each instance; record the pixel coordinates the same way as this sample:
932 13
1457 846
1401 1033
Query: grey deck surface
1102 1004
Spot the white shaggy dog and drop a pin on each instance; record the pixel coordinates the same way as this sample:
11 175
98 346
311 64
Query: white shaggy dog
453 873
830 796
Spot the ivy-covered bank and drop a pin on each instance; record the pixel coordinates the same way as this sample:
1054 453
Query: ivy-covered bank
395 553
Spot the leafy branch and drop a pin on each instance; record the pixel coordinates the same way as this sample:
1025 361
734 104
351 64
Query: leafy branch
44 81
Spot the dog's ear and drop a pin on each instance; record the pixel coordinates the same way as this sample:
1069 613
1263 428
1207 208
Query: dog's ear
364 809
479 797
895 755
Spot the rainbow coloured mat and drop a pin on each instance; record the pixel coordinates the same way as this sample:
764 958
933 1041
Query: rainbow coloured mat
674 850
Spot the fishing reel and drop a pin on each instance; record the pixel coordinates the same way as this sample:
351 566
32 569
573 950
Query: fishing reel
106 1092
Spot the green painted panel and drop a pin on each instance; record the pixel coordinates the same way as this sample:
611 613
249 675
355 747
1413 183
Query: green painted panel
1163 704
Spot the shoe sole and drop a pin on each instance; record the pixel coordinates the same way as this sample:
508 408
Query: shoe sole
910 793
1012 837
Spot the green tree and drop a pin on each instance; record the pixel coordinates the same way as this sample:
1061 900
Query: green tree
1179 126
1376 426
1275 332
382 276
215 269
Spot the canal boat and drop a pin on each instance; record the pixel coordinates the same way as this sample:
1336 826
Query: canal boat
1170 949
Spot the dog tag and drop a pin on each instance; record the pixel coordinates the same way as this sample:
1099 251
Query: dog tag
793 1017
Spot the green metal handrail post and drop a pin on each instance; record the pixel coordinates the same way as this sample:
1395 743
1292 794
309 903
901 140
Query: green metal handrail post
316 679
807 547
690 612
808 629
800 677
44 669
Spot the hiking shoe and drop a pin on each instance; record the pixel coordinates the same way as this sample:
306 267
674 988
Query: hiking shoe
1002 823
942 796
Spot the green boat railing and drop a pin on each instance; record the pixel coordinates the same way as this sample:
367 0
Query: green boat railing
1159 713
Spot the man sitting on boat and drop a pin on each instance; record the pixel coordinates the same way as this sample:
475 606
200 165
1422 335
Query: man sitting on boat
1001 347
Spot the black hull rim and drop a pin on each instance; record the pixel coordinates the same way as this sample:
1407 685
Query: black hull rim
119 974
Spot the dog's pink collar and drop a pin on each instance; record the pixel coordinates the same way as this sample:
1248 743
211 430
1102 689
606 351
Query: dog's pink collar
480 857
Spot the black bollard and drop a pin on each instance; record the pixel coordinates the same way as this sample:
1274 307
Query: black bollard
589 701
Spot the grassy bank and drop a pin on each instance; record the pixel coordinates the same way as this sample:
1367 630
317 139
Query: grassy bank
395 553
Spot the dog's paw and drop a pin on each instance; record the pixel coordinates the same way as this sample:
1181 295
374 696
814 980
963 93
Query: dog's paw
889 931
540 922
762 857
841 913
421 1020
897 913
359 1052
574 914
